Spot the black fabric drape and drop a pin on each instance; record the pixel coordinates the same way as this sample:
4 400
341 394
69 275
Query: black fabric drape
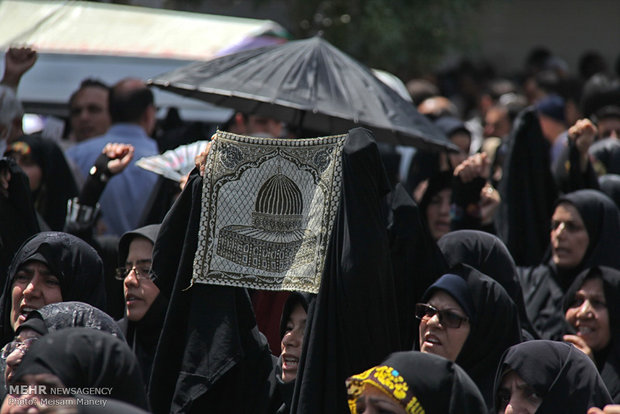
610 185
210 356
568 174
71 260
607 360
416 259
85 357
353 324
70 314
18 220
562 375
488 254
143 335
528 190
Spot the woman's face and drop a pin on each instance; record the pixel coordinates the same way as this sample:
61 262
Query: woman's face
569 237
589 316
32 170
516 396
374 401
438 213
34 286
438 339
292 342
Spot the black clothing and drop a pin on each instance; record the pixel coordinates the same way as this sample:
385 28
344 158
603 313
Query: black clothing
354 322
607 156
494 326
281 401
568 174
562 375
488 254
440 386
142 336
610 185
544 285
84 357
416 259
76 265
528 191
18 219
210 356
607 360
63 315
57 182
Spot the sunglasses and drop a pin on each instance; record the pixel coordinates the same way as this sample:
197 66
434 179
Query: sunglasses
447 318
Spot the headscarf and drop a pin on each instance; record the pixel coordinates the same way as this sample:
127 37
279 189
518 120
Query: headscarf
416 259
563 376
494 324
142 335
610 185
57 182
284 393
294 299
602 222
84 357
148 232
607 360
544 286
421 383
75 263
488 254
436 183
528 190
61 315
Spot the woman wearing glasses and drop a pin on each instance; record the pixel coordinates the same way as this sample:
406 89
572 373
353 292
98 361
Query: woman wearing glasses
468 318
145 308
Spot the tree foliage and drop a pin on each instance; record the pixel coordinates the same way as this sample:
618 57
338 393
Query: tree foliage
405 37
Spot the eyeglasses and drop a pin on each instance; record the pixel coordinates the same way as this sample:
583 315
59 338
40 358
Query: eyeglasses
141 272
22 346
447 318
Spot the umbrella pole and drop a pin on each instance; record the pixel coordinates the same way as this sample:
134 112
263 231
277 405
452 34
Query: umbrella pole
300 124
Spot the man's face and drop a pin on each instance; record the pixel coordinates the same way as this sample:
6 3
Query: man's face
90 116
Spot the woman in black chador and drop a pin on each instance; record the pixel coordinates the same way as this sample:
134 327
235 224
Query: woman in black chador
585 229
547 377
469 318
58 267
592 310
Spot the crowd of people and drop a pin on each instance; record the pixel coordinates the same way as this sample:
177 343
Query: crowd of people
483 280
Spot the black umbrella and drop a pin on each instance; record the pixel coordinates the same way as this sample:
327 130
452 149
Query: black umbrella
309 84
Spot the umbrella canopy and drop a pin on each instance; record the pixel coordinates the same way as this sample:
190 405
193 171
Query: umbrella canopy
308 84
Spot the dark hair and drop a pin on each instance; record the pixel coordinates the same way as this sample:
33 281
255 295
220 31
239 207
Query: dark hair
88 83
127 104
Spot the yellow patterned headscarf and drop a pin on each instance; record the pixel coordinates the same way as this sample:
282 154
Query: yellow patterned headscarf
388 380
